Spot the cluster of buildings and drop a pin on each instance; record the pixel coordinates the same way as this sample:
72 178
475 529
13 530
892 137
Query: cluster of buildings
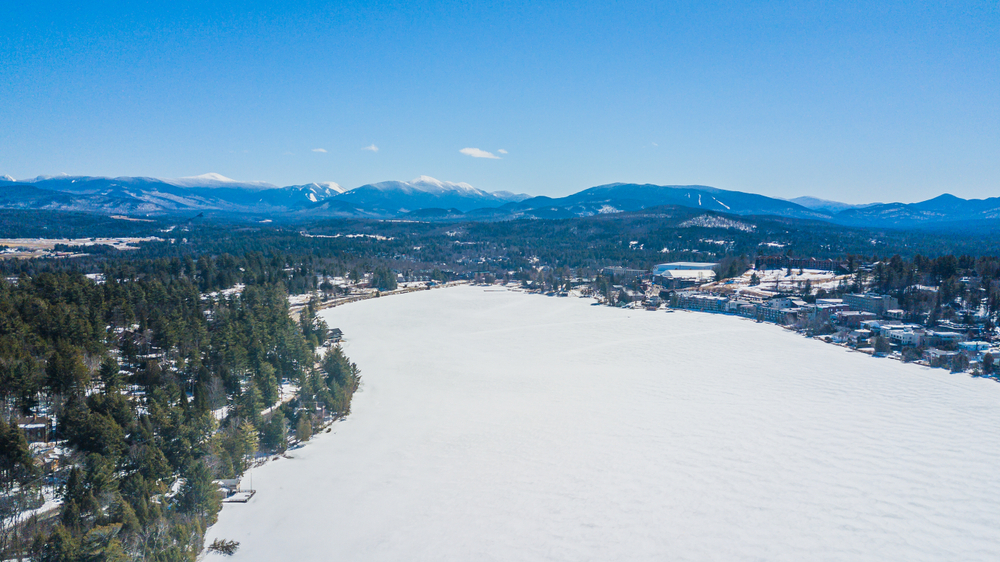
675 275
856 319
778 310
682 274
937 346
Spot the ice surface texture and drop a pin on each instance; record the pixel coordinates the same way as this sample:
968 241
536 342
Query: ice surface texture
504 426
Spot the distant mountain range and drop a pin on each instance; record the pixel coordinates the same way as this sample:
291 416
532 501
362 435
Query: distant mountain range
426 198
216 193
826 206
620 197
393 198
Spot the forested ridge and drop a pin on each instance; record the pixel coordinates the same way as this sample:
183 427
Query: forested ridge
327 247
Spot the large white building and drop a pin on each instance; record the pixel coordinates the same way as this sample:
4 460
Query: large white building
683 266
684 273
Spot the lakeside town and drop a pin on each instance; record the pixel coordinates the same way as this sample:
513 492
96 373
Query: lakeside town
820 298
824 300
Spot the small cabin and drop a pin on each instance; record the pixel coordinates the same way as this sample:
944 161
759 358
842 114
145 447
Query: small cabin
36 429
336 335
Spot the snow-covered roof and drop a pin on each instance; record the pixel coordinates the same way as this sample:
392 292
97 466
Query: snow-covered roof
682 265
688 274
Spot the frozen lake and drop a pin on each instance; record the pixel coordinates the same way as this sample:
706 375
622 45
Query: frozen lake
503 426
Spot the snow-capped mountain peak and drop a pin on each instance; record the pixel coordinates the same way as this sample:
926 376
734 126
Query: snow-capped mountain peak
510 196
6 177
313 192
428 185
421 193
432 185
331 187
212 176
318 191
213 179
37 179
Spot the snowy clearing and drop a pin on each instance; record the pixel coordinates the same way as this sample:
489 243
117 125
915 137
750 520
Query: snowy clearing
503 426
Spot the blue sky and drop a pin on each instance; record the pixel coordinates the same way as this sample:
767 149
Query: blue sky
850 101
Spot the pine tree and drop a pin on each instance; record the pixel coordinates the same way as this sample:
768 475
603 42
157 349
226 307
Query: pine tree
16 465
882 345
303 430
198 496
73 496
275 434
267 383
60 547
65 369
110 376
250 404
247 440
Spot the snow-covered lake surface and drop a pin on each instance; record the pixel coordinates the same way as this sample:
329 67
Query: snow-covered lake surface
503 426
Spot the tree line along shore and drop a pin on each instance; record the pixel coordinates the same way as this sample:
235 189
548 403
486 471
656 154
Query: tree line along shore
126 401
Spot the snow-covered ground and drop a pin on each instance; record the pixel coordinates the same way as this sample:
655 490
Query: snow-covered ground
52 500
774 281
505 426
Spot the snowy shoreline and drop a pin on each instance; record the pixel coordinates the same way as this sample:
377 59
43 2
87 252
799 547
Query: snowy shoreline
495 425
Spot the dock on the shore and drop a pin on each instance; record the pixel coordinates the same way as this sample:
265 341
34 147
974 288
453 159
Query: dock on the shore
240 496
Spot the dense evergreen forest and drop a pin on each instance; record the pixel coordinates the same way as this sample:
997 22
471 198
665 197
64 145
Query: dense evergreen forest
158 390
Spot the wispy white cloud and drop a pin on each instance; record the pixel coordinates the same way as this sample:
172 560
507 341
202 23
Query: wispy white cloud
371 147
502 151
654 144
323 150
477 153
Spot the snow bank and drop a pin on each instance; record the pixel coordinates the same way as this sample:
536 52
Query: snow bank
503 426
